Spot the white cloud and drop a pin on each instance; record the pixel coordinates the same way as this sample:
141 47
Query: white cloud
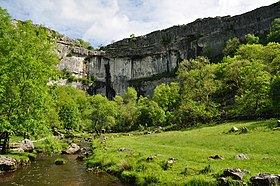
101 21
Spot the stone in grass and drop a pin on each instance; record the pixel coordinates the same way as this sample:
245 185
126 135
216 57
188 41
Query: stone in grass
233 129
60 161
216 157
236 173
150 158
266 179
244 130
242 157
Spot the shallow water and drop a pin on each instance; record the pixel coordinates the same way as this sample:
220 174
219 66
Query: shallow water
43 171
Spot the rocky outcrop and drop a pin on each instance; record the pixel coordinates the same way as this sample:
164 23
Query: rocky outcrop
25 145
8 163
126 62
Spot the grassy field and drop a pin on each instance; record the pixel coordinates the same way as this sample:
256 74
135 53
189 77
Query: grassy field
191 149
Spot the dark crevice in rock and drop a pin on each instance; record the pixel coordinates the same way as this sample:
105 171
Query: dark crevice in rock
110 92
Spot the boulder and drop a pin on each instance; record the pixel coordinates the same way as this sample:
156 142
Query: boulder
236 174
25 145
265 179
72 149
242 157
233 129
8 163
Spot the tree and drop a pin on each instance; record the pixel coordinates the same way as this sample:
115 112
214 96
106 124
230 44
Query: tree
167 96
246 78
275 95
103 113
274 35
231 46
252 39
198 83
72 106
130 95
125 119
149 114
28 62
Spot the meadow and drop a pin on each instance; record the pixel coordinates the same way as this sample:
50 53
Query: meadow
126 155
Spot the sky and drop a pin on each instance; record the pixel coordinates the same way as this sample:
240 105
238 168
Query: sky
101 22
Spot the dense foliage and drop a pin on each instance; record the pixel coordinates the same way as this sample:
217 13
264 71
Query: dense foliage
245 83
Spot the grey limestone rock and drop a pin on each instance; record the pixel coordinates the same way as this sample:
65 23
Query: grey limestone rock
265 179
8 163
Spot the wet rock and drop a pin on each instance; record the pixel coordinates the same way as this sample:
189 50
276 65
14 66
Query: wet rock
233 129
236 174
216 157
72 149
8 163
265 179
25 145
242 157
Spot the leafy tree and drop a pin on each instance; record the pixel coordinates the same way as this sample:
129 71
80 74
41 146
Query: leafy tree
27 61
167 96
275 95
274 35
252 39
231 46
246 78
103 113
198 83
149 114
130 95
72 106
125 119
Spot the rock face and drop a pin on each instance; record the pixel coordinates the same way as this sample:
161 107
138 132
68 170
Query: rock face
142 59
8 163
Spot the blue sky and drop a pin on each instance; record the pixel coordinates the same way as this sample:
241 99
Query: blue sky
102 21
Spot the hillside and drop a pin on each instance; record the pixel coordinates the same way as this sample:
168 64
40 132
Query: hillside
143 159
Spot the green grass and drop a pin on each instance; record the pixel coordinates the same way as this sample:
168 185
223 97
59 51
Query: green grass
191 149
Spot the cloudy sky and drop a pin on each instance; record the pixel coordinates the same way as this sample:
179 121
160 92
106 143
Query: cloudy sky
103 21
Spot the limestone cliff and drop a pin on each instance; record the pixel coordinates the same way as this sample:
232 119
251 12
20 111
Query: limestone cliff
142 61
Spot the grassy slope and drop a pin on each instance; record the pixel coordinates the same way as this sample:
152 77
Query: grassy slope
191 149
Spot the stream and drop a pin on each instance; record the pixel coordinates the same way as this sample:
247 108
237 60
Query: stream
43 171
